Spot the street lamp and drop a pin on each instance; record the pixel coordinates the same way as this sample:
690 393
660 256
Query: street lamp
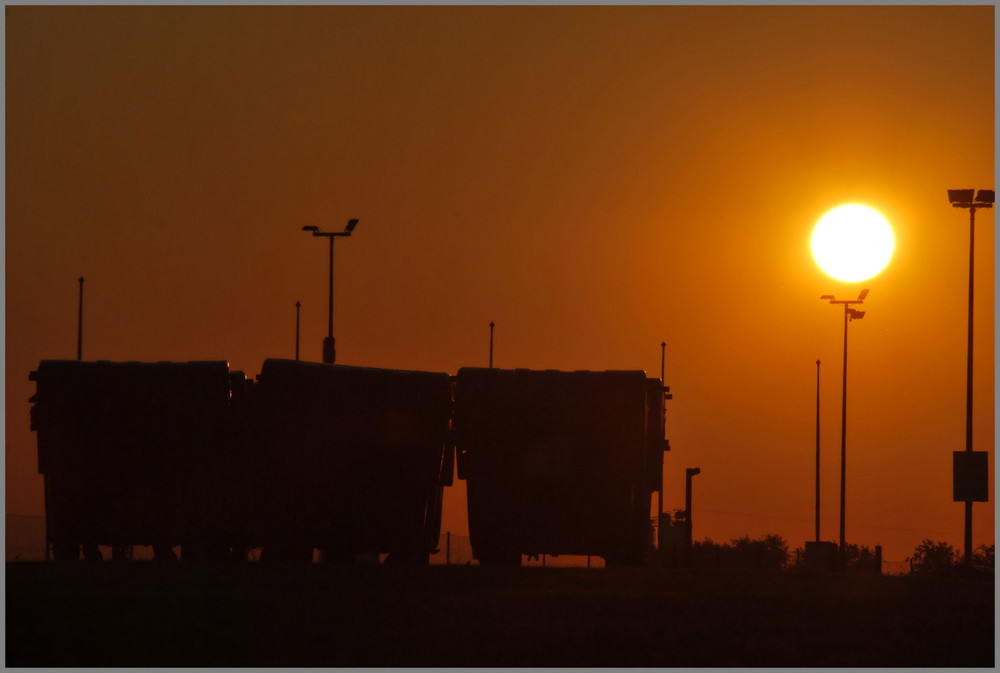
817 450
849 314
329 349
688 473
962 198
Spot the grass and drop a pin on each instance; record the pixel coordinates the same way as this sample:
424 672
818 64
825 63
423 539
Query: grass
151 614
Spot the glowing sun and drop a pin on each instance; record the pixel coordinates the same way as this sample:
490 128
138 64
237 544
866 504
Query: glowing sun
852 242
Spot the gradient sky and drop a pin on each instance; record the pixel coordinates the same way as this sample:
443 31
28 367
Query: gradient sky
595 180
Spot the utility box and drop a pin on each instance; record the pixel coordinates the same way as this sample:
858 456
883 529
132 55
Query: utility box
971 476
821 555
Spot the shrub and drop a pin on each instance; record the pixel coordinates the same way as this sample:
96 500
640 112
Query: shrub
860 557
932 558
769 552
983 555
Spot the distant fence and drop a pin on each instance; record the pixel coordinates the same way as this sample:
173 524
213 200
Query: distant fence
896 567
453 550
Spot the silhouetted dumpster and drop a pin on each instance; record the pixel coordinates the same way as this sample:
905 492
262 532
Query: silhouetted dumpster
559 462
132 453
354 459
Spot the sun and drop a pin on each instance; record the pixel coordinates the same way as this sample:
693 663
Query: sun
852 242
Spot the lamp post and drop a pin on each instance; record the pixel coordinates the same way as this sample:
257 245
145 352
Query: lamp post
663 403
688 533
849 314
962 198
817 450
329 349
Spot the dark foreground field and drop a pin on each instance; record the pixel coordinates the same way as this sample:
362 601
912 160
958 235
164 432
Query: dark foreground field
149 614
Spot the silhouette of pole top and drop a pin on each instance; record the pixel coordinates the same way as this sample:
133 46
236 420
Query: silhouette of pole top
859 300
329 343
962 198
316 231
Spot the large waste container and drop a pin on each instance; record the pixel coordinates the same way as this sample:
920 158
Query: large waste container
559 462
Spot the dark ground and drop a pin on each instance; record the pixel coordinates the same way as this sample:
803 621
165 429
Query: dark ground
151 614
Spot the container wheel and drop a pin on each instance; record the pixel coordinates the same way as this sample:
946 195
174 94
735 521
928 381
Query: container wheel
287 553
92 553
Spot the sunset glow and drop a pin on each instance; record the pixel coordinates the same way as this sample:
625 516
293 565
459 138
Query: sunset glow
539 187
852 242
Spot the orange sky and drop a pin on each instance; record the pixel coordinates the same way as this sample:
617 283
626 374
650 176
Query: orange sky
595 180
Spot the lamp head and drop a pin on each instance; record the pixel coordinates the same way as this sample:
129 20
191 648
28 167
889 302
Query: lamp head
960 195
827 296
350 225
310 228
864 293
854 314
985 196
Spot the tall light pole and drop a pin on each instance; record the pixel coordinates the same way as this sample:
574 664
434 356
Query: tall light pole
817 450
329 348
689 535
962 198
663 403
849 314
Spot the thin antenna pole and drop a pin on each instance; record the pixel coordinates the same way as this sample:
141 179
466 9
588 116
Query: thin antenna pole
491 344
297 305
79 325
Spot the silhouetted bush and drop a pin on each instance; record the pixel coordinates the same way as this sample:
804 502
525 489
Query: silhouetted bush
861 557
932 558
983 556
769 552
